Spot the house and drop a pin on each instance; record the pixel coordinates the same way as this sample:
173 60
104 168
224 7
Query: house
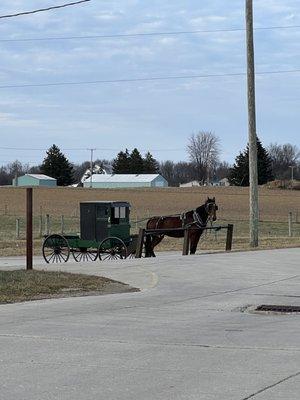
190 184
112 181
35 180
222 182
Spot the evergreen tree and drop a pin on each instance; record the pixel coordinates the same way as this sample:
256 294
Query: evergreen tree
239 174
150 164
136 162
57 166
121 164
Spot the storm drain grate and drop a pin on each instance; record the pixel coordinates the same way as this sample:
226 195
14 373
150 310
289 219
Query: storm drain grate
279 309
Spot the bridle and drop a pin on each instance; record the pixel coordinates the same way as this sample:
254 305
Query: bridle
210 209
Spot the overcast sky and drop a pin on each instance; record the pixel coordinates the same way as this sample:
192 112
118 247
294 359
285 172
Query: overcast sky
153 115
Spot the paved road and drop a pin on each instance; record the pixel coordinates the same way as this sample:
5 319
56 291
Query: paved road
183 337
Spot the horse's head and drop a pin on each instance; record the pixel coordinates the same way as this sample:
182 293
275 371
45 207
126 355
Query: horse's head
211 208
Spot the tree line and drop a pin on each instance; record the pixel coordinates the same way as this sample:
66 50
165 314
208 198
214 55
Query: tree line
204 165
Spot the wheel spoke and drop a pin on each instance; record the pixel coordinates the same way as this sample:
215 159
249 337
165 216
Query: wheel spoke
63 256
52 255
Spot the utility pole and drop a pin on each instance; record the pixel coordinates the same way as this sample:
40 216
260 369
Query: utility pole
253 178
292 175
91 166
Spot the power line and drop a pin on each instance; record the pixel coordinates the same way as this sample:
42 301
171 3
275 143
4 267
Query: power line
43 9
149 79
133 35
82 149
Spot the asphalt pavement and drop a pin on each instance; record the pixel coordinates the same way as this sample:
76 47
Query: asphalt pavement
190 334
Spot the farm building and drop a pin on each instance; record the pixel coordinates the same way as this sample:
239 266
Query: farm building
222 182
190 184
126 181
34 180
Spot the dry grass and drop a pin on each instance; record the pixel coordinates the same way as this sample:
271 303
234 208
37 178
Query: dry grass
16 286
232 201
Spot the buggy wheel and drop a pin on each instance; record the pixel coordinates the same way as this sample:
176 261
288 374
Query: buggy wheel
56 249
83 254
112 248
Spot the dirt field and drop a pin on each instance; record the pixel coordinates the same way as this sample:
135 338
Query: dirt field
232 201
233 208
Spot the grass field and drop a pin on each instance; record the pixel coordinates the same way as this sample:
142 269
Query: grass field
233 208
16 286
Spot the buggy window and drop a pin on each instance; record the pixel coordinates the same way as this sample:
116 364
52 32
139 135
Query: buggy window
117 214
102 212
123 212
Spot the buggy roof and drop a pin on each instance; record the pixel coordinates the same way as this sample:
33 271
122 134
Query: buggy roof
113 203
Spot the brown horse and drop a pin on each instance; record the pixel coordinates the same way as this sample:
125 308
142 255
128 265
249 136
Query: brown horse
196 219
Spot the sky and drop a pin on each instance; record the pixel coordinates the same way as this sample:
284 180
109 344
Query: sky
158 115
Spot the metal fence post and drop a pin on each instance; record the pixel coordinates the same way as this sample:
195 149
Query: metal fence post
18 228
47 224
62 224
41 226
229 237
290 224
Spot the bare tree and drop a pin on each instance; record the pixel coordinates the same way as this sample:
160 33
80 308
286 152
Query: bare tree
11 170
204 151
222 170
283 156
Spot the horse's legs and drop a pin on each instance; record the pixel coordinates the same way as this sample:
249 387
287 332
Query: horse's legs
148 246
194 240
155 241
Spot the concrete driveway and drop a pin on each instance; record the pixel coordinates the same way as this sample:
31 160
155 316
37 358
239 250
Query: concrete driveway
187 335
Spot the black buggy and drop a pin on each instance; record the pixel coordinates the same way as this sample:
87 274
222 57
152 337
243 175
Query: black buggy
104 234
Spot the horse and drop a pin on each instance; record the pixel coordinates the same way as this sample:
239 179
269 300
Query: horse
195 219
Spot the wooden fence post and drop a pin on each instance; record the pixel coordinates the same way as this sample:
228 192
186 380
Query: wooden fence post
140 243
290 224
29 225
229 237
186 243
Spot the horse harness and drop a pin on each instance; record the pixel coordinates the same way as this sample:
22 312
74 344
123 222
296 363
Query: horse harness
197 220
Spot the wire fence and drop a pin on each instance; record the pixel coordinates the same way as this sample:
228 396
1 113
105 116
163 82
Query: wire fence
13 227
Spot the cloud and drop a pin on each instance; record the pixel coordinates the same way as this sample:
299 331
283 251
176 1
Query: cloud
12 120
168 110
109 16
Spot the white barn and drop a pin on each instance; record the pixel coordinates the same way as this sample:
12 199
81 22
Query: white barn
112 181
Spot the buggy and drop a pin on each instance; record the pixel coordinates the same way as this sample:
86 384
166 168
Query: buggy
104 235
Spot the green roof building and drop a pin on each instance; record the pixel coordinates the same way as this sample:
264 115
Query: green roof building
34 180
